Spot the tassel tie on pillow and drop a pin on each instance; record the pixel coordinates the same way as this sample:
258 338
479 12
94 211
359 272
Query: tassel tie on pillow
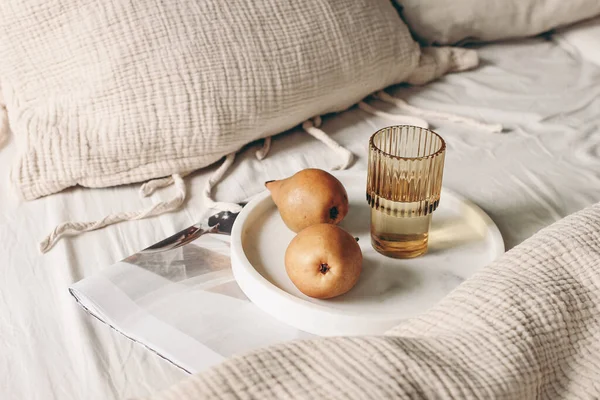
311 126
75 228
419 112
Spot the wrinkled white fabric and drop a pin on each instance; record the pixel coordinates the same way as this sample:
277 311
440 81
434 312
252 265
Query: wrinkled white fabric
582 40
543 168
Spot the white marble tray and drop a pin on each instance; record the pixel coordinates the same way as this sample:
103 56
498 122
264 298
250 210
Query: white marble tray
462 240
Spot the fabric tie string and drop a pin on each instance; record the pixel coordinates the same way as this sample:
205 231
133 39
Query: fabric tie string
312 128
148 188
75 228
402 119
403 105
262 153
212 181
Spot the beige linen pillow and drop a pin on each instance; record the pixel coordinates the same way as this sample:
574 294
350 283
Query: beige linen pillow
101 93
453 21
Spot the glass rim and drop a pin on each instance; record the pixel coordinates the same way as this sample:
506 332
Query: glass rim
432 155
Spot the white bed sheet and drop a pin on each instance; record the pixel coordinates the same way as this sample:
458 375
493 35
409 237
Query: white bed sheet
582 40
545 167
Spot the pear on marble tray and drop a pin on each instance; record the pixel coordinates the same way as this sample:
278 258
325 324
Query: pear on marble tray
309 197
323 261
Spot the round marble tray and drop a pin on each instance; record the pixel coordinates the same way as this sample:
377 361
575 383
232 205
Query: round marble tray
462 240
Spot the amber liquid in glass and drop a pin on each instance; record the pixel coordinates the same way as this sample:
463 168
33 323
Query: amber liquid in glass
404 183
399 237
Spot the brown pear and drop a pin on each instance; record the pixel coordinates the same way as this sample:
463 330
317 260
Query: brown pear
323 261
309 197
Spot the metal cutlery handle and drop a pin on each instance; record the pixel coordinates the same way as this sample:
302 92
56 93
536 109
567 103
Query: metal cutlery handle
219 223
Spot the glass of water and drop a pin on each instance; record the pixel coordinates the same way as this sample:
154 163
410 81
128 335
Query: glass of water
404 181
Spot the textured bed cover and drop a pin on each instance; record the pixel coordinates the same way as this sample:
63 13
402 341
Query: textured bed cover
546 166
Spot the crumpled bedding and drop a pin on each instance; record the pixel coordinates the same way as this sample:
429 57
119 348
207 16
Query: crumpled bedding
544 167
525 327
581 40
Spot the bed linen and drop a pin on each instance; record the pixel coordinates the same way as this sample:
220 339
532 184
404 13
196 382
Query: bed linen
582 40
544 167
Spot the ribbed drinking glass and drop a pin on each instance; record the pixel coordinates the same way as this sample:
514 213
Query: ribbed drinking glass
404 181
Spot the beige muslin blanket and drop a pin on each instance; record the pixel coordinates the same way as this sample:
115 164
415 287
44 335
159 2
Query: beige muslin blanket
525 327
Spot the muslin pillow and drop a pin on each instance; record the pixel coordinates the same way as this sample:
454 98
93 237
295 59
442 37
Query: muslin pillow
103 92
453 21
